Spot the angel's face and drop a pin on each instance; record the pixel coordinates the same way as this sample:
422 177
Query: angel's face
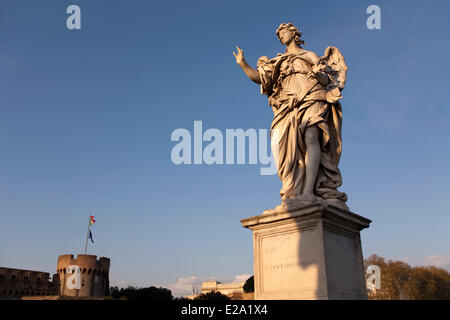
286 36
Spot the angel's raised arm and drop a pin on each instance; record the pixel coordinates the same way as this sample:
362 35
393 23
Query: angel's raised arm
251 73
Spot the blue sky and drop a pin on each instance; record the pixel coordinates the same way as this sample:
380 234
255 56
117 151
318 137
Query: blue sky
86 118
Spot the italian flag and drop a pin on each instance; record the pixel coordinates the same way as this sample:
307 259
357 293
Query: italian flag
91 220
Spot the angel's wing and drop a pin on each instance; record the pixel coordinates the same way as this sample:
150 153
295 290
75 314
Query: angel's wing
336 69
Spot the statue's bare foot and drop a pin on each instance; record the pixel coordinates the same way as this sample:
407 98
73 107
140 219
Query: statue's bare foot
278 208
291 203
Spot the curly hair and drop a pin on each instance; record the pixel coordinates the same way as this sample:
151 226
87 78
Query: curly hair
291 27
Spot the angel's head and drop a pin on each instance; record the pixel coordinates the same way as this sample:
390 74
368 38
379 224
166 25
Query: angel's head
287 32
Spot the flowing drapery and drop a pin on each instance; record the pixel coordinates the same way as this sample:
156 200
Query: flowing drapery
299 101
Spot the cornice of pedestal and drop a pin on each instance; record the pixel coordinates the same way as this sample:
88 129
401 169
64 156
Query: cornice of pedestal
328 213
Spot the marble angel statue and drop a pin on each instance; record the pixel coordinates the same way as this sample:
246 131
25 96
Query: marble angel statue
303 90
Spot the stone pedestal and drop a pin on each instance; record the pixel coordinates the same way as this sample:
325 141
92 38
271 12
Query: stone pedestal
312 252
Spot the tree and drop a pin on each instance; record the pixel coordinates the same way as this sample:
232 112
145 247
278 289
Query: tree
429 283
114 292
249 285
400 281
133 293
213 295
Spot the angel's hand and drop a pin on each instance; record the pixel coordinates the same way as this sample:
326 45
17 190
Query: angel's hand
239 56
317 73
312 75
316 69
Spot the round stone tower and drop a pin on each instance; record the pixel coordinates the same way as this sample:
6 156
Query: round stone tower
83 276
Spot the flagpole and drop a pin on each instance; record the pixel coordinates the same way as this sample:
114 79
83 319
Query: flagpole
87 235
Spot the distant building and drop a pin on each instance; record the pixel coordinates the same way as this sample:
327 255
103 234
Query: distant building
18 283
223 288
234 291
83 276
